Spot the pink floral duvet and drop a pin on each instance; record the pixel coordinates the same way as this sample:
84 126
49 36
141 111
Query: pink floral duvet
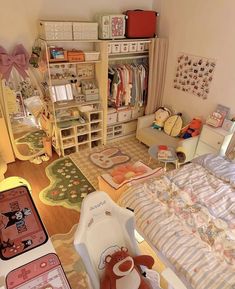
189 216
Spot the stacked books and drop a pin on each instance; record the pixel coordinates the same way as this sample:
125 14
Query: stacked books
164 153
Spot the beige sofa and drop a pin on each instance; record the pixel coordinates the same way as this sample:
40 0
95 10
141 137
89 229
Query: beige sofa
150 136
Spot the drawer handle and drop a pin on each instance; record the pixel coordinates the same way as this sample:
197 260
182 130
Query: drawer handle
218 142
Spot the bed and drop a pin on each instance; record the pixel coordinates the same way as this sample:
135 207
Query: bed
188 217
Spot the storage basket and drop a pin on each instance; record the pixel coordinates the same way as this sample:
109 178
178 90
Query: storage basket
116 47
111 118
124 115
92 56
54 30
85 30
133 47
76 56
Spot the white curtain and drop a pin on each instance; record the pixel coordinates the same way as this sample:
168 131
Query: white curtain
157 71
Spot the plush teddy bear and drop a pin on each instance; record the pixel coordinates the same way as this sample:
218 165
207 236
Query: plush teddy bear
161 115
192 129
122 271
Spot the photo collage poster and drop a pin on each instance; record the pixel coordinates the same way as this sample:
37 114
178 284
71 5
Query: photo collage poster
194 74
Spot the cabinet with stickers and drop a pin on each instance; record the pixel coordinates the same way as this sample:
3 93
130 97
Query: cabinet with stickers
73 73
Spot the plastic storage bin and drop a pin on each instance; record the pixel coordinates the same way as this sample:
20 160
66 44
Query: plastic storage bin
116 47
124 115
111 118
133 47
53 30
92 56
140 46
124 47
85 30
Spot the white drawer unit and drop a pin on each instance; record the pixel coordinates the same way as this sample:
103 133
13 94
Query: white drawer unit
213 140
137 112
129 127
124 115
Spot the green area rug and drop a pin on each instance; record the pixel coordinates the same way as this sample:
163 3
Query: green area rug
32 139
68 186
70 260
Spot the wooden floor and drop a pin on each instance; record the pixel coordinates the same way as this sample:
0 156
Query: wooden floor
56 219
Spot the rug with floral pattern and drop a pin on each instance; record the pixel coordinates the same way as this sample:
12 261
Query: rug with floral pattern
68 186
33 139
70 260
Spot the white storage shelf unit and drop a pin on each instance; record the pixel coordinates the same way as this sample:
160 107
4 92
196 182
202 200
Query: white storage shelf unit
83 135
75 140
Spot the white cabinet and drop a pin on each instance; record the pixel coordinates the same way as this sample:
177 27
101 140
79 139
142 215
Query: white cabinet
213 140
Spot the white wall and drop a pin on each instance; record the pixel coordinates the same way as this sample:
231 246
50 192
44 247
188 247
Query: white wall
203 28
18 21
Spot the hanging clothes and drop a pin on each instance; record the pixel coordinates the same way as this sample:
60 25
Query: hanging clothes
127 84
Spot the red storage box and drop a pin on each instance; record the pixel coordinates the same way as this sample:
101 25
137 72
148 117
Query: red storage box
141 24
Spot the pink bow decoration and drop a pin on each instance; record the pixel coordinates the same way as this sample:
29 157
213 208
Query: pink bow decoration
18 59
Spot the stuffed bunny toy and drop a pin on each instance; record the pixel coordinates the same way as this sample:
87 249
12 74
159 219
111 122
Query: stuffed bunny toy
108 158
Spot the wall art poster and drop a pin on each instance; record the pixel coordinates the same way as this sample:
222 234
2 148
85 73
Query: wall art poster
194 74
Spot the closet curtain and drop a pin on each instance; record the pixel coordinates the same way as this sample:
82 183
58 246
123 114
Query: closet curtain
230 152
157 70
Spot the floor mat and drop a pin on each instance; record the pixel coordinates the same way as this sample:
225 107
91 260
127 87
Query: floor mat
130 146
70 260
108 158
68 186
32 139
21 228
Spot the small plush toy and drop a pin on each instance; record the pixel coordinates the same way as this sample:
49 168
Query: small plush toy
122 271
173 125
161 115
192 129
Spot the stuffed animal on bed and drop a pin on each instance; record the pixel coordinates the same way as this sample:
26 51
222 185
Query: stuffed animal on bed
161 115
122 271
192 129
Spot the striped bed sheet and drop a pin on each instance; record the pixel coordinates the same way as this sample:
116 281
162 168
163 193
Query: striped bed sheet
188 215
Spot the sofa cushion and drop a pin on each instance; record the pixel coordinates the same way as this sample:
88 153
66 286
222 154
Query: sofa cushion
151 136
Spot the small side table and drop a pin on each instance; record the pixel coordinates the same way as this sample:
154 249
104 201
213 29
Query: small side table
153 154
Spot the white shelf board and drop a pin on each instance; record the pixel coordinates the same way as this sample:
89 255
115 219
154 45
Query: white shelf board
69 146
73 63
96 138
128 53
59 106
120 122
67 137
73 40
83 133
96 130
128 57
96 121
85 142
